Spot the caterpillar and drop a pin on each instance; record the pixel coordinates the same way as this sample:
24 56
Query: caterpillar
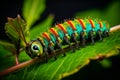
70 31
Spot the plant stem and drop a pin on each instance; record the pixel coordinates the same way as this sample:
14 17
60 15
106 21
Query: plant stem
16 59
18 66
115 28
32 61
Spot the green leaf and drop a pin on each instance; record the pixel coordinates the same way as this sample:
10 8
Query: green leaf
41 27
6 57
71 63
32 9
8 46
15 29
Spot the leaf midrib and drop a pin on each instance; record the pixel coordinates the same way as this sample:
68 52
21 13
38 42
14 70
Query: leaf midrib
58 68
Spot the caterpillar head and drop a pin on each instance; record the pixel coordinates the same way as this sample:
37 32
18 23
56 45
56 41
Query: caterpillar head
34 49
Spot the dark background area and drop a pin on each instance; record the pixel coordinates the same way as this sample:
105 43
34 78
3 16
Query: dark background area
64 9
61 9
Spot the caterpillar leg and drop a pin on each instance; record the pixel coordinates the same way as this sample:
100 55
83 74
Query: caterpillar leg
106 33
60 47
75 40
92 37
68 42
82 36
53 51
100 35
46 54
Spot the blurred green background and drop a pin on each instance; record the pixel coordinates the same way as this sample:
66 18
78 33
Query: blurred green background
108 10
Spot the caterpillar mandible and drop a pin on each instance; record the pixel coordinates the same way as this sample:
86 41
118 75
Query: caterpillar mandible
71 31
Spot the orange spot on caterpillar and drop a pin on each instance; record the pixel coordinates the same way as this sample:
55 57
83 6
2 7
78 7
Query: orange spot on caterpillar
82 23
107 25
71 24
62 28
91 22
54 32
45 34
100 24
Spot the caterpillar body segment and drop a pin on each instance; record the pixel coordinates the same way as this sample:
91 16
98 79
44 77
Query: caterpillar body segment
76 31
